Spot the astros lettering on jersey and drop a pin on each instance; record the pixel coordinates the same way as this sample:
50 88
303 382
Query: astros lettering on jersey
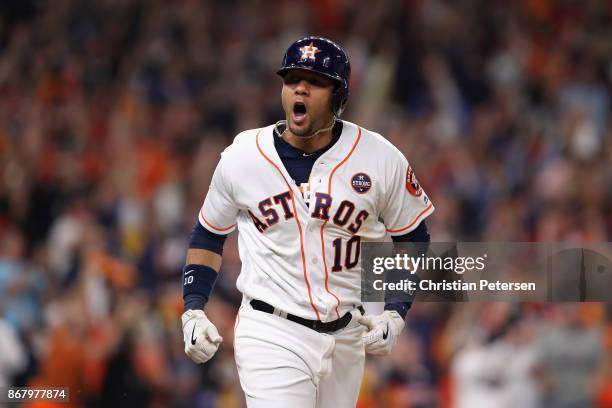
304 257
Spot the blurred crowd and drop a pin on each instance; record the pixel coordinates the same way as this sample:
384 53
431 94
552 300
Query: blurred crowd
112 117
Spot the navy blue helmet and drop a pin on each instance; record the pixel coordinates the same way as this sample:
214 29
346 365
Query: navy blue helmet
325 57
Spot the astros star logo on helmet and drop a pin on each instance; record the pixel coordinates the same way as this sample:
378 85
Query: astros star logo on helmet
308 52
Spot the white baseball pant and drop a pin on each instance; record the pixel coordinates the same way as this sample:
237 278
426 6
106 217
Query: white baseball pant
284 364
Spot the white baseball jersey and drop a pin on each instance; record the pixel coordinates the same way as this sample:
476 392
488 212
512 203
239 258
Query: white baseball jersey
304 259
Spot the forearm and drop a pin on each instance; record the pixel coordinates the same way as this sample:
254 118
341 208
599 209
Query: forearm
202 266
197 256
420 237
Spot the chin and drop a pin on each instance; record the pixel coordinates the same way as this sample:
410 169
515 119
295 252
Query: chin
300 131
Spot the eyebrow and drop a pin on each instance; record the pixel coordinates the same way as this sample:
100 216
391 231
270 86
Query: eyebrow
308 77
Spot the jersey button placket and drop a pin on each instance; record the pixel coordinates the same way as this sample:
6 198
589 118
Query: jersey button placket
311 243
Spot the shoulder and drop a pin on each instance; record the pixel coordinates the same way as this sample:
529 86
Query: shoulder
244 143
247 138
373 143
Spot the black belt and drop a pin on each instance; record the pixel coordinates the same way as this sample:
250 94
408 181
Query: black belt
316 325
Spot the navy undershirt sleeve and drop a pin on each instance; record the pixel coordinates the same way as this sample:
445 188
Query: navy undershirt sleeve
421 236
201 238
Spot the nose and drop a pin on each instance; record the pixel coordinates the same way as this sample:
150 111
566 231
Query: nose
302 87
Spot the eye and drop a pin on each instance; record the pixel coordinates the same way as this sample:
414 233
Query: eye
291 79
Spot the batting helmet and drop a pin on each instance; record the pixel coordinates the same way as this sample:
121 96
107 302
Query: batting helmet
325 57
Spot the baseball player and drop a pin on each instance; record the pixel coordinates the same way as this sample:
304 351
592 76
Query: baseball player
303 193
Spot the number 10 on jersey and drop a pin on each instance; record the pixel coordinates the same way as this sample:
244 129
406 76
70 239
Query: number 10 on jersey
346 256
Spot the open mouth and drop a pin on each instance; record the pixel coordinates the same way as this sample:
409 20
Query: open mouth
299 112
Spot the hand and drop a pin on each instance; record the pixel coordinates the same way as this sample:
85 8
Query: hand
383 331
200 336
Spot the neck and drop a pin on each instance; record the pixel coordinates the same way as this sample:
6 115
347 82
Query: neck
312 143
